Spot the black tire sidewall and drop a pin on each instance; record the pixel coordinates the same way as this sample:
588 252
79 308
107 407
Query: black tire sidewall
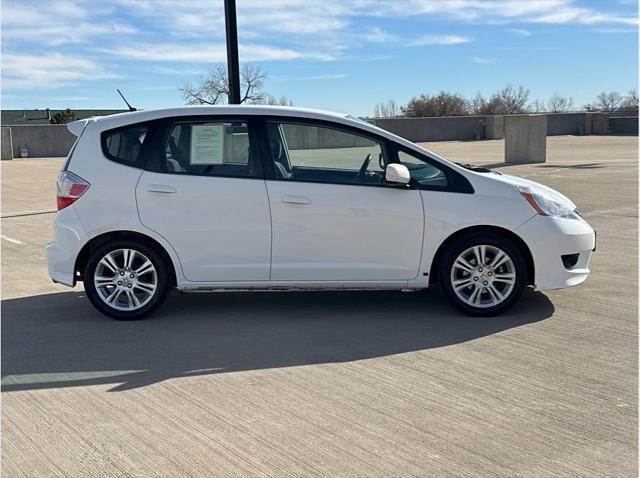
162 288
474 239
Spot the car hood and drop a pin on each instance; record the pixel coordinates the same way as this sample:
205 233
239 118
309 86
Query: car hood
517 181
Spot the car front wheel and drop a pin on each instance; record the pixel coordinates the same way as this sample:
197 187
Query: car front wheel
483 274
126 280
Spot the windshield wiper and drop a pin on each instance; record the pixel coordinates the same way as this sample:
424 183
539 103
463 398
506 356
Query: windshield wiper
477 169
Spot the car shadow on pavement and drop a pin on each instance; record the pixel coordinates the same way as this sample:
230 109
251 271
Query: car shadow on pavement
58 340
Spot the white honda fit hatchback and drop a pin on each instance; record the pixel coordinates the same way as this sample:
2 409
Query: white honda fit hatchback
255 197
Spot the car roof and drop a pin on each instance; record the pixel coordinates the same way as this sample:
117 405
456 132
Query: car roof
131 117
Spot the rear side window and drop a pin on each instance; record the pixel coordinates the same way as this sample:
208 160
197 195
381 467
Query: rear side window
211 148
124 145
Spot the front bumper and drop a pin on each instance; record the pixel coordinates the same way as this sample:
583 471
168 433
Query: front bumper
549 239
69 237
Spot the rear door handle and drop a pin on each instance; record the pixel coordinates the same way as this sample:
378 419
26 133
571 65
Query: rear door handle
290 199
161 188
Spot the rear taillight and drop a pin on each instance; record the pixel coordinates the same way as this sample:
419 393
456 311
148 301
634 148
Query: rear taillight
70 188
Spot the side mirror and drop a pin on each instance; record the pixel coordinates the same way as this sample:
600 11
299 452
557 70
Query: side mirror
397 174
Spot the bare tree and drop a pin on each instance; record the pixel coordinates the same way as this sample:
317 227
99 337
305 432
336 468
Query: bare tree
478 105
630 102
214 89
510 101
605 102
272 100
559 104
442 104
507 101
388 109
537 106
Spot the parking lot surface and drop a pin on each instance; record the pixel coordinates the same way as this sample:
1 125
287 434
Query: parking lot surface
324 383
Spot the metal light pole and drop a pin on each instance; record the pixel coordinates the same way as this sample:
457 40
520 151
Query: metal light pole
233 64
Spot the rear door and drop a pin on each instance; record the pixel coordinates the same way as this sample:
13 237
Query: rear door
204 192
333 216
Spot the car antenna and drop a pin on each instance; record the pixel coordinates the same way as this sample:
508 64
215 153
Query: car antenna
131 108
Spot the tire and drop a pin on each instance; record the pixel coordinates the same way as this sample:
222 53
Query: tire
126 293
482 289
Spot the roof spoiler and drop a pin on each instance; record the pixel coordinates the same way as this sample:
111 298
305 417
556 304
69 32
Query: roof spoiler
77 127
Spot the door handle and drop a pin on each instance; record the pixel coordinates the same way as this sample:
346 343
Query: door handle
290 199
161 188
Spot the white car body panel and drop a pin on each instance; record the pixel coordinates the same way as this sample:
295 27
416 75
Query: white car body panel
348 237
219 227
338 232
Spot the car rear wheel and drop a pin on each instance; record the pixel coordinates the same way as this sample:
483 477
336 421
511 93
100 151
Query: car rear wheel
126 280
483 274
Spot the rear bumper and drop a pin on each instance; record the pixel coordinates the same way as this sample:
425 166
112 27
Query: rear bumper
69 237
549 239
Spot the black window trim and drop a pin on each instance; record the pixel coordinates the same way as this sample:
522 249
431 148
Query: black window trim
254 142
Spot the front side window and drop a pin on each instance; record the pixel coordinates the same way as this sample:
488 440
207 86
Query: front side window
208 148
124 145
307 152
423 173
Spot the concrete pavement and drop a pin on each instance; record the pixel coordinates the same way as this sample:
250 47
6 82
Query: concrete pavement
329 384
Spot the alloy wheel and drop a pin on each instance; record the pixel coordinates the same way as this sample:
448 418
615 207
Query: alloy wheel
483 276
125 279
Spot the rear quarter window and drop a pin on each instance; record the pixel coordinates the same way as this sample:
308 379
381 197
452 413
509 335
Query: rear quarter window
126 144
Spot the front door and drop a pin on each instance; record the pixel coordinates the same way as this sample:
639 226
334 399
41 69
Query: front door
333 216
206 195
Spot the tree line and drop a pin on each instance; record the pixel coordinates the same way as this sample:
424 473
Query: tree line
506 101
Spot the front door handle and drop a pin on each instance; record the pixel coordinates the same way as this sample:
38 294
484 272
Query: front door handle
161 188
290 199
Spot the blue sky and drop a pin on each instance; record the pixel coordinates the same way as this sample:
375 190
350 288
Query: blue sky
341 55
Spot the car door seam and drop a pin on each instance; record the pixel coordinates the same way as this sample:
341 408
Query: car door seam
266 188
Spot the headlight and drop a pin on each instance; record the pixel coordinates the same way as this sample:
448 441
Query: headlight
545 205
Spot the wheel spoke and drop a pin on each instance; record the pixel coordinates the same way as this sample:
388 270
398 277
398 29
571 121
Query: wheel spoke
114 296
144 268
129 255
102 281
508 278
462 283
461 263
496 295
145 287
480 252
133 300
499 259
109 262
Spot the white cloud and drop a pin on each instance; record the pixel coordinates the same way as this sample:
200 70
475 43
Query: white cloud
519 31
483 61
377 35
50 70
500 11
206 53
440 40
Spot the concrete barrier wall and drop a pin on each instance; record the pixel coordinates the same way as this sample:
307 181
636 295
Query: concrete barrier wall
623 125
42 140
566 123
305 137
445 128
5 142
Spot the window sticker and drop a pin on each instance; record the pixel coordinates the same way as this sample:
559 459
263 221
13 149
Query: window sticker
207 144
